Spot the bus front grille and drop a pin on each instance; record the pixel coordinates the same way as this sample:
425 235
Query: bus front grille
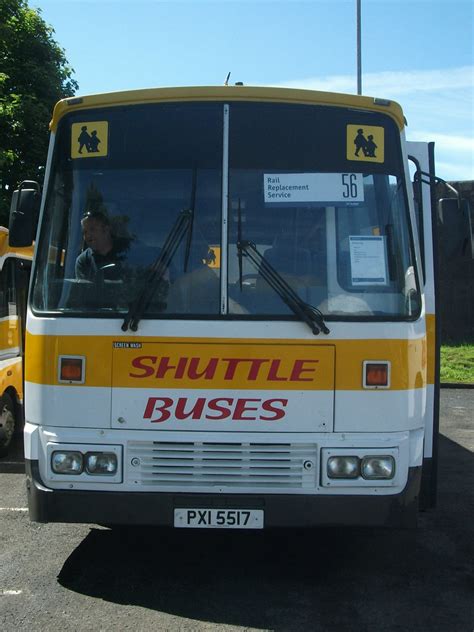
222 466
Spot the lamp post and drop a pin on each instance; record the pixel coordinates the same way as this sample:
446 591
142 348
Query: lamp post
359 47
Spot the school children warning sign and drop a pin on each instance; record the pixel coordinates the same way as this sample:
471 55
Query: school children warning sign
89 139
365 143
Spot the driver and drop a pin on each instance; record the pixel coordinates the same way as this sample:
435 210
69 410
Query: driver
103 254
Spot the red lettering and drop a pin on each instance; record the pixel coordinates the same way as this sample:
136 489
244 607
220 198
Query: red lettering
255 368
232 363
163 367
242 407
160 409
197 368
273 372
299 368
195 412
224 412
153 407
180 369
208 372
270 407
138 363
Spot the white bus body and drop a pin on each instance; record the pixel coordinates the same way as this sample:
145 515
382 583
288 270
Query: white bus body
276 366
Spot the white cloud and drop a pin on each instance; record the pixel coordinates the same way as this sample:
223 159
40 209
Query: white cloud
438 104
451 171
457 143
389 84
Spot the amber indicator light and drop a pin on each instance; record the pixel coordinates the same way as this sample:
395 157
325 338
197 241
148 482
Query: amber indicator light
376 374
71 370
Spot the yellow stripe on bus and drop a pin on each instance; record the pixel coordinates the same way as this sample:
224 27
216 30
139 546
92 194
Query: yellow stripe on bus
9 334
431 345
11 375
228 363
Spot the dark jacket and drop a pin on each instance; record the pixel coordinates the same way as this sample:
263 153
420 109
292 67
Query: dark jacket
91 265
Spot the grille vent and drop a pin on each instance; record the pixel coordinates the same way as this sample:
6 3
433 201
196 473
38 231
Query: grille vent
227 466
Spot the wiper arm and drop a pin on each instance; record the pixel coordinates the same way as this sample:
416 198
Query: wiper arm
157 270
191 223
239 241
306 312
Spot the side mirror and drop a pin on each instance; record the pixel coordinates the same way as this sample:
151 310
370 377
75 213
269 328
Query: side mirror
456 238
24 212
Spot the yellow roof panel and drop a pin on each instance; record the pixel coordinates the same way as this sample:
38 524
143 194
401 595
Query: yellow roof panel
227 93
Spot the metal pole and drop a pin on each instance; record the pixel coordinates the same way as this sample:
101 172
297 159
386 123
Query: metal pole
359 49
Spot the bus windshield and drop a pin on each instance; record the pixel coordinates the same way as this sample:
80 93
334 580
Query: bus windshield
327 210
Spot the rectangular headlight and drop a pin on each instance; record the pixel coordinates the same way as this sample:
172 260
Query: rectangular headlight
67 462
343 467
101 463
92 464
378 467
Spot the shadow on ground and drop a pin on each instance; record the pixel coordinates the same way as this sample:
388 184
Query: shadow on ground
353 579
14 462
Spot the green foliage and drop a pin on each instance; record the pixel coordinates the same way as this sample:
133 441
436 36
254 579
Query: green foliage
34 75
457 363
95 201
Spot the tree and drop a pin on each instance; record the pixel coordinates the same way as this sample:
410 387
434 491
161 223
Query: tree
34 75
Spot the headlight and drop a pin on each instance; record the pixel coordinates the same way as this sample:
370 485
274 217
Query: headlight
343 467
104 463
67 462
378 467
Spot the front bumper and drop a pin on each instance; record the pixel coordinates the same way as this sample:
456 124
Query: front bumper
280 510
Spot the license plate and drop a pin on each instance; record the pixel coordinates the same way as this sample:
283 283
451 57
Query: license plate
219 518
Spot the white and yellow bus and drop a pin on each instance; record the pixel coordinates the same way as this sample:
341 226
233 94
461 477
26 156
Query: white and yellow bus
15 265
262 350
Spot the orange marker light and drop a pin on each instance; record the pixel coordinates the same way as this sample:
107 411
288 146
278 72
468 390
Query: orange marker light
71 369
376 374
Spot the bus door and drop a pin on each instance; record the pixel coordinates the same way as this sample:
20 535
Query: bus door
421 158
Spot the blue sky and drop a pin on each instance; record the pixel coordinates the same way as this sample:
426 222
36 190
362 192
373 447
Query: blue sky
417 52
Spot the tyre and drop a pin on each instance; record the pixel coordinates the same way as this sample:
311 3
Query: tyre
7 423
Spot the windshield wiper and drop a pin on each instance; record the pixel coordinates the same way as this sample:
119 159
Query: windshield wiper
192 204
157 270
306 312
239 241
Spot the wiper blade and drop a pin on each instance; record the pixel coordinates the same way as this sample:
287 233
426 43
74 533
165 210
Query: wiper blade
191 223
306 312
157 270
239 241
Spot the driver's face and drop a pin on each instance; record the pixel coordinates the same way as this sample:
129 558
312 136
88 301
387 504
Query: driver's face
97 235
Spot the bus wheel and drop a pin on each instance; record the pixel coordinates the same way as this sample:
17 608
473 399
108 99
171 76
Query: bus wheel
7 423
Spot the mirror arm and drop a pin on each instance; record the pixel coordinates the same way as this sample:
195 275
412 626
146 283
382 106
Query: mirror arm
419 174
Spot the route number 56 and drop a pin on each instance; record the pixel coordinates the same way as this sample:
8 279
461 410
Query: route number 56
349 184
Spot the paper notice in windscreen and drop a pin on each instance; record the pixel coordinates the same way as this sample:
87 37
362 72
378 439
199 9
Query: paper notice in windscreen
368 260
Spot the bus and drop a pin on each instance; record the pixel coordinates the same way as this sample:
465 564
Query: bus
257 345
15 265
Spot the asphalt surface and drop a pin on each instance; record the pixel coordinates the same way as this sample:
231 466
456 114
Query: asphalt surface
78 577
